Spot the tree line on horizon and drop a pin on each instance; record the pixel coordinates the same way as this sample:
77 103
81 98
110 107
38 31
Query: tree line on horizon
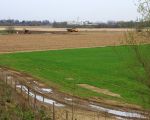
55 24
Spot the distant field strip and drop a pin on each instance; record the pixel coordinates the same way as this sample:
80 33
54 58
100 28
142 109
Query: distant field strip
37 28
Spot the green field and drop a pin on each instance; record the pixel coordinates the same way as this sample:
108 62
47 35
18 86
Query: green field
112 68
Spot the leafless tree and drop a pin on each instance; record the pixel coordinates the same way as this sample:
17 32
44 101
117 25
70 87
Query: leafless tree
144 33
144 9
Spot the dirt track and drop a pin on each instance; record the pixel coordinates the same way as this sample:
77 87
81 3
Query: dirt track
31 42
83 109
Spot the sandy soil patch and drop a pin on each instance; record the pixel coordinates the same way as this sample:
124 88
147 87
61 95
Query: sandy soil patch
99 90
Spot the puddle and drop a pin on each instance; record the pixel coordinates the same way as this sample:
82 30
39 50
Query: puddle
35 82
9 77
68 99
40 98
49 101
46 90
117 112
43 90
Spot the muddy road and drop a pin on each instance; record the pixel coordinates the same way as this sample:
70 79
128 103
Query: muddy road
49 96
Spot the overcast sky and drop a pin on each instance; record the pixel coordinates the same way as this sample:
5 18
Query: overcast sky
68 10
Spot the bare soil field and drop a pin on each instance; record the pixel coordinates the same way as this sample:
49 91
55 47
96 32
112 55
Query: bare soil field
34 42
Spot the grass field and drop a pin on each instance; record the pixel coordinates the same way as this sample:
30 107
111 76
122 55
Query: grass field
107 67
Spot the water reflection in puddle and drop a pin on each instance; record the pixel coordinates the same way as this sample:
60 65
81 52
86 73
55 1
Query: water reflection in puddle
40 98
117 112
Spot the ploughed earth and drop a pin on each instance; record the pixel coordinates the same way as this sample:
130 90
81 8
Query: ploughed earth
61 40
